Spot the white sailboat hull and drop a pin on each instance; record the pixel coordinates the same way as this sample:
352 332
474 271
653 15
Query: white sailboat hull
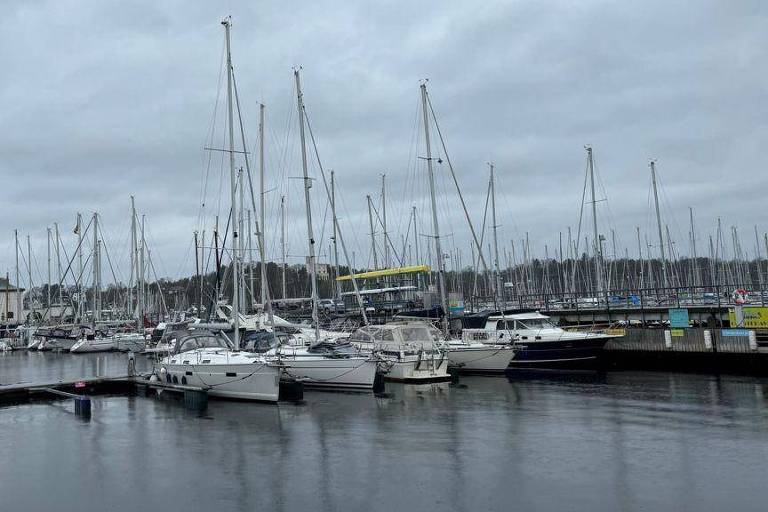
342 373
95 345
258 381
64 344
225 374
480 358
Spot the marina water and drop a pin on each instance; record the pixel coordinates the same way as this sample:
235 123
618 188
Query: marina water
616 441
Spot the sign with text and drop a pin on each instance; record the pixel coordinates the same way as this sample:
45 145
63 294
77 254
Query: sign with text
678 318
755 317
677 333
734 332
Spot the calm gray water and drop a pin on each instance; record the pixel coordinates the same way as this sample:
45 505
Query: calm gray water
621 441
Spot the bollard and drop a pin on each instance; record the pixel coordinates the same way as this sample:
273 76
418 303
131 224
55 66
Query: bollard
378 383
83 406
752 341
131 364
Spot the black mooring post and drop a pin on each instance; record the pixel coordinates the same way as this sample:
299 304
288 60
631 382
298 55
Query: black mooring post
83 406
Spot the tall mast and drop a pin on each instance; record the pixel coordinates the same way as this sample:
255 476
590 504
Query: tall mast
373 234
80 267
758 255
262 214
198 260
335 246
58 267
96 313
671 255
435 224
658 224
240 229
29 273
282 244
416 242
135 259
233 194
598 250
201 279
640 257
249 230
48 232
308 205
498 293
695 266
384 219
142 290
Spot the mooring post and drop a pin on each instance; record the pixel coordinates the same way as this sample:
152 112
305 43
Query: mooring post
83 406
131 364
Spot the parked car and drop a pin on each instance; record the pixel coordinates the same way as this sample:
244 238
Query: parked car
331 306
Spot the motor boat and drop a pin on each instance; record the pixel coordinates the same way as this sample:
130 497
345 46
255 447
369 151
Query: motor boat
207 360
474 357
407 352
327 365
539 343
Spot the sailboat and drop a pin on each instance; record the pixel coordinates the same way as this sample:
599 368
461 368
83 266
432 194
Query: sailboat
209 360
321 362
463 355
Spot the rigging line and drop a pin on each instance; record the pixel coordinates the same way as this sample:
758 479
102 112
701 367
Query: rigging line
482 239
388 239
456 183
581 212
338 227
210 136
109 260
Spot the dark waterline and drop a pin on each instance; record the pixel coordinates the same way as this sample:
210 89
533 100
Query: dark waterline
620 441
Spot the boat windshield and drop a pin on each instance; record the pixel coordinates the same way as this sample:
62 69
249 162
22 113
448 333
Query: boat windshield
260 341
411 333
201 341
535 323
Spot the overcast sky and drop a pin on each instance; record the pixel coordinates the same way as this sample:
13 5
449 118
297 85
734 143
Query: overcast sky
101 100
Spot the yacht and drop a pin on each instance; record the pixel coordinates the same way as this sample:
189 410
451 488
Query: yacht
539 343
408 352
93 343
467 356
326 365
207 360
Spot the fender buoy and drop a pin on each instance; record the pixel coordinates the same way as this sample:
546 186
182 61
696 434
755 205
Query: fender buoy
739 296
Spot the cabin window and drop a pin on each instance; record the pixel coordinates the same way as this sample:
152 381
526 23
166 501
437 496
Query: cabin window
536 323
189 344
505 325
384 335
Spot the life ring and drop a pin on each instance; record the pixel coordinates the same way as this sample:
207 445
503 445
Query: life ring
739 296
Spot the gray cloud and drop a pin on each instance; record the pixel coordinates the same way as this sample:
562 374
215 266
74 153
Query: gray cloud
101 101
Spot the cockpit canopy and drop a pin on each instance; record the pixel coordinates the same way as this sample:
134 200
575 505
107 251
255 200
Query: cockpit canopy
197 340
392 335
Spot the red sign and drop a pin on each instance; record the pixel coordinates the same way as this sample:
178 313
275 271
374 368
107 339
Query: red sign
80 384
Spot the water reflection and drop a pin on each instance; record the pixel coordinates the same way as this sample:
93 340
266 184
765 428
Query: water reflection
616 441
